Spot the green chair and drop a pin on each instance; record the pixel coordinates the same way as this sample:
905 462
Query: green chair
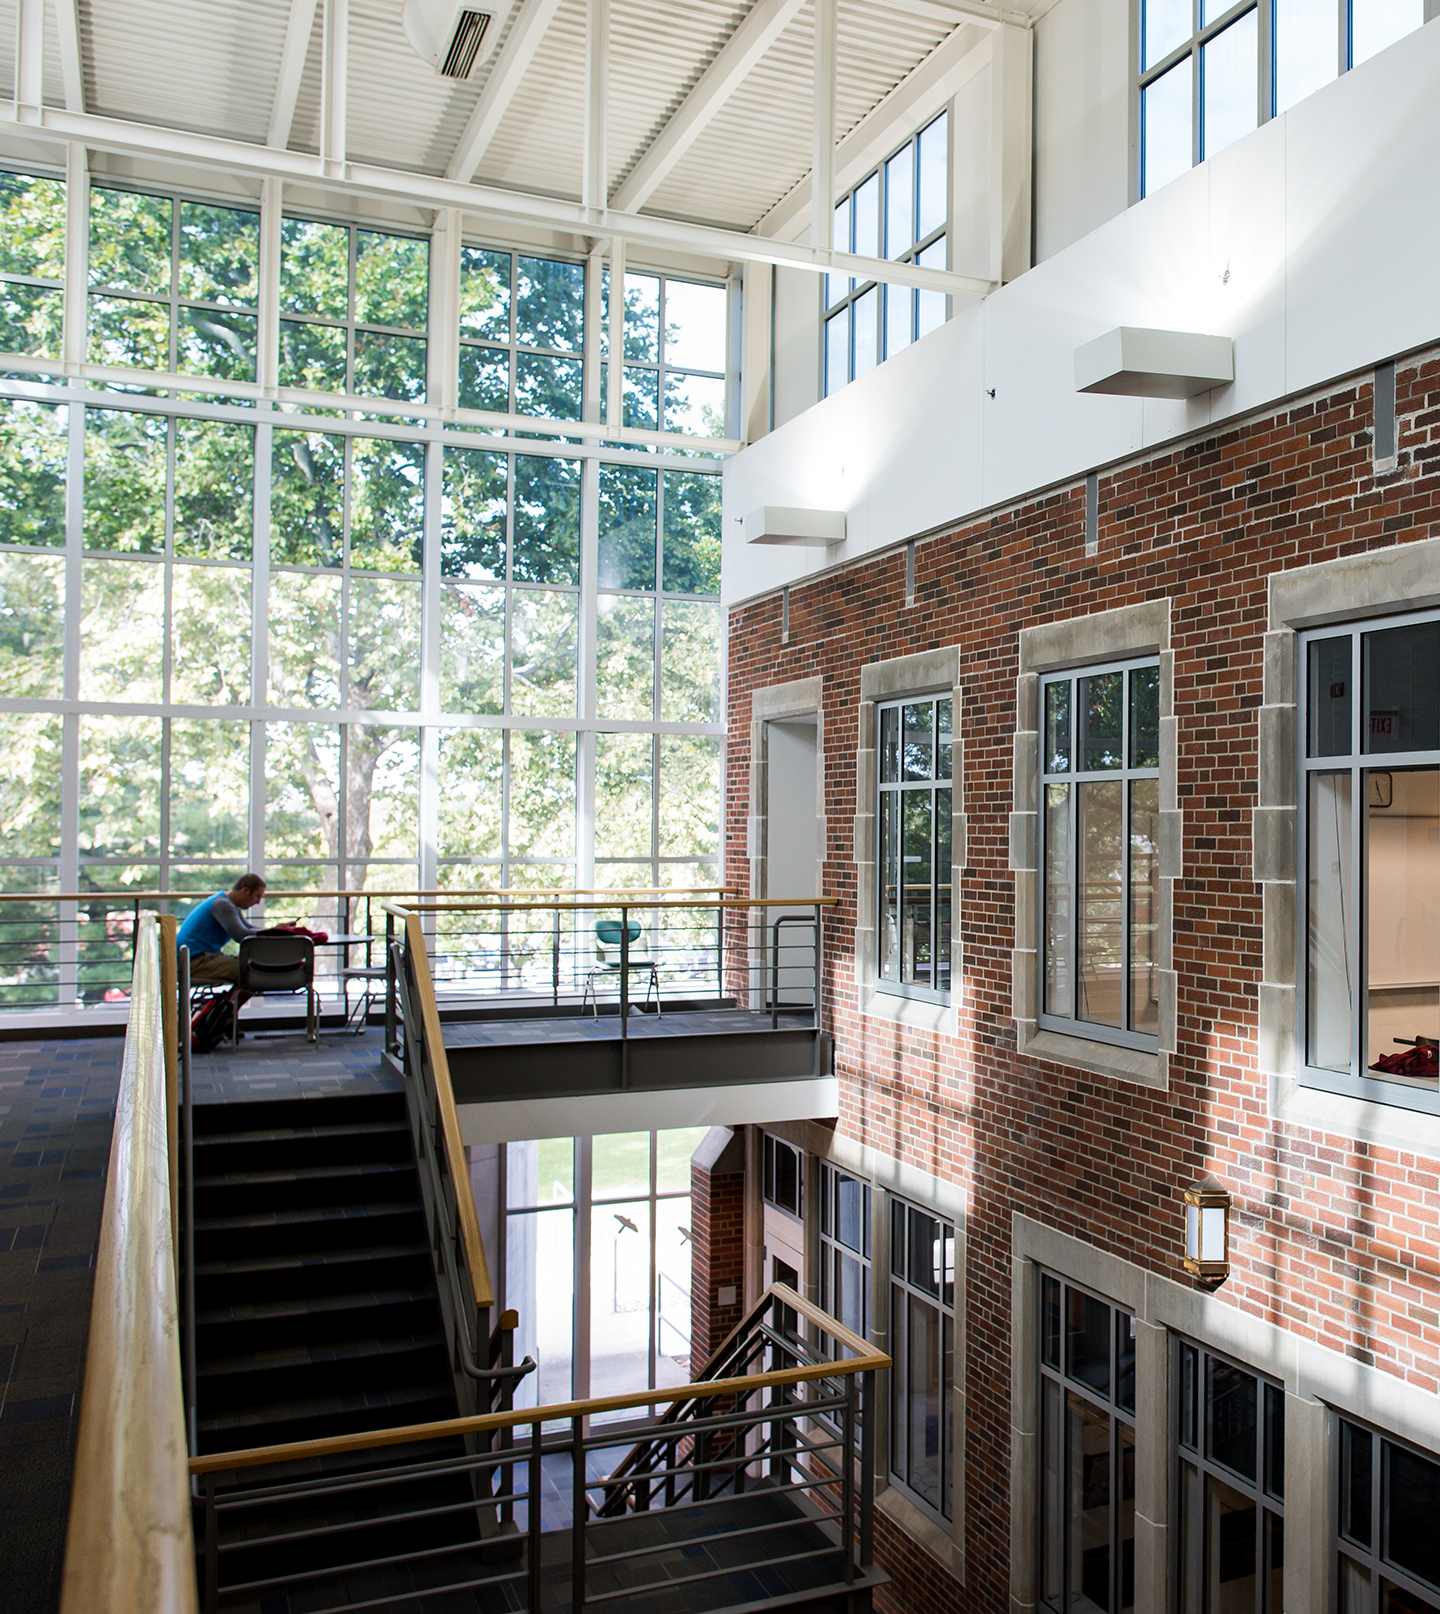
608 962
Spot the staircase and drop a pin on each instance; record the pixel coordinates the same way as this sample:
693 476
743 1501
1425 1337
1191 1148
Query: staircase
315 1300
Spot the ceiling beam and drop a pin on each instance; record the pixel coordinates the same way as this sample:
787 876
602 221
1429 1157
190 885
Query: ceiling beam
822 159
597 103
30 53
911 104
292 69
516 54
489 203
72 72
334 77
761 27
952 13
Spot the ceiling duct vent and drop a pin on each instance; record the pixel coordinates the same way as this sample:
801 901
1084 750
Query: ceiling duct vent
452 36
470 29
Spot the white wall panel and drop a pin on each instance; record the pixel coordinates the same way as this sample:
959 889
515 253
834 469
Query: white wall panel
797 339
1082 120
1322 219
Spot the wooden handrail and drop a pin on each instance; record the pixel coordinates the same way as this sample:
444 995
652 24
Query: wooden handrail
868 1360
129 1546
273 893
484 1293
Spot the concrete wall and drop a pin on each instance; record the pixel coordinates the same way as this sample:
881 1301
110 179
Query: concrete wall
1302 242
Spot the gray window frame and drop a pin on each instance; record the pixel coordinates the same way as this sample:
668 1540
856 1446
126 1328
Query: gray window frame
1120 1417
1357 1082
1371 1558
1190 1590
896 1454
940 892
1047 1020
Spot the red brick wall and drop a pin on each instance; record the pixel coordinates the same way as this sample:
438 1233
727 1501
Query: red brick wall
717 1223
1331 1238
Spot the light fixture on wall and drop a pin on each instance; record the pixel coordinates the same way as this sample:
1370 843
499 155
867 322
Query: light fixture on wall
1207 1230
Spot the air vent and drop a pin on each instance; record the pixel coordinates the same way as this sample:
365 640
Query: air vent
465 43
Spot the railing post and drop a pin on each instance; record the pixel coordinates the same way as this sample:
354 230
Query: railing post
775 975
212 1549
578 1506
847 1477
867 1468
624 970
391 1040
535 1486
819 957
555 959
720 947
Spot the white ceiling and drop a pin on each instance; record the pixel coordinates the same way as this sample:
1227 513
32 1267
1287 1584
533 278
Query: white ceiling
212 66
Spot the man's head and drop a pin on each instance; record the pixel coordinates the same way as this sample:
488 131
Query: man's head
247 891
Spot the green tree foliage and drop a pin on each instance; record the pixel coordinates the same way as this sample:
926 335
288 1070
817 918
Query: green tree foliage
544 634
624 787
472 514
33 457
125 481
692 533
307 499
627 527
210 635
625 657
32 625
214 489
545 529
472 648
121 649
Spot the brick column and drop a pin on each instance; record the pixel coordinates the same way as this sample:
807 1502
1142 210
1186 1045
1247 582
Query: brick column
717 1226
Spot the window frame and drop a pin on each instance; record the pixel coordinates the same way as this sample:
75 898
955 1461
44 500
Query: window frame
1358 1081
660 366
1046 1019
941 892
1270 1504
1371 1558
1121 1417
1267 86
843 305
512 347
897 1284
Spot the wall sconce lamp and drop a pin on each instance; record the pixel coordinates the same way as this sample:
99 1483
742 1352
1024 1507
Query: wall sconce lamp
1207 1230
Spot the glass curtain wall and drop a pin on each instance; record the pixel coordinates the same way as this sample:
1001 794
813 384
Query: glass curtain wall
346 645
597 1262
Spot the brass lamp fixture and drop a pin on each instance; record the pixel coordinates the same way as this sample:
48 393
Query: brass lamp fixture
1207 1230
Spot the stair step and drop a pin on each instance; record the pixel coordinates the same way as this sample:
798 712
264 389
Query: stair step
336 1171
357 1255
303 1216
261 1136
316 1417
278 1310
354 1349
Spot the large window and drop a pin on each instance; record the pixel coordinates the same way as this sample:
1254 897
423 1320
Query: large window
522 323
1087 1442
253 673
1230 1474
901 211
1389 1500
355 306
1099 853
916 751
624 1197
845 1248
922 1350
1211 72
1371 855
676 341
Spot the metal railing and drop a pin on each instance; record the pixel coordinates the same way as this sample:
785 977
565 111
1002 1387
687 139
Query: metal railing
615 952
76 950
779 1424
129 1544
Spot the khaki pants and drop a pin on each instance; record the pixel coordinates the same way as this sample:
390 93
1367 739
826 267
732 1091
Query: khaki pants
215 967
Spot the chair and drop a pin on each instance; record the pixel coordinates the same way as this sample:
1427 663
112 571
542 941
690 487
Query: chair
607 962
368 974
279 964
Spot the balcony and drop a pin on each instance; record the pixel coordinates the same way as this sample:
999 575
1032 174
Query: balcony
667 1009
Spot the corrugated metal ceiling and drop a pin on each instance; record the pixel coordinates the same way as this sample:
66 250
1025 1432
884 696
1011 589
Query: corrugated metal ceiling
213 67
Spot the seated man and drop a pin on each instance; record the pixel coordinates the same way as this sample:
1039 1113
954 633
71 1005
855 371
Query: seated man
216 921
